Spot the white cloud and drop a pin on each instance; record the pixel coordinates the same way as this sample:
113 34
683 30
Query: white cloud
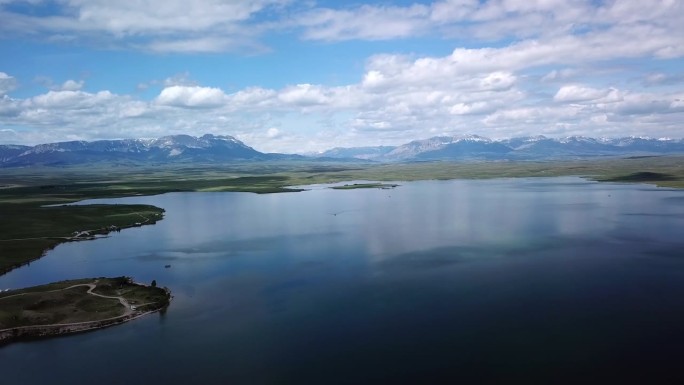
273 133
71 85
470 108
537 74
253 97
304 95
70 100
68 85
169 26
646 104
180 79
559 75
220 26
577 93
9 108
663 79
131 17
202 44
493 19
498 81
7 83
365 22
191 96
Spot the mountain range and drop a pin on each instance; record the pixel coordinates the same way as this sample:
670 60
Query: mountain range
475 147
167 149
214 148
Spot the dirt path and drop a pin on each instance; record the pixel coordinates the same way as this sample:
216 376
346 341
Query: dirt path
129 314
91 286
128 310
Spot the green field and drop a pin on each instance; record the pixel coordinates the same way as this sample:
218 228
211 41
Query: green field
28 229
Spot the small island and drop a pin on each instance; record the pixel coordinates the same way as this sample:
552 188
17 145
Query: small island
76 306
383 186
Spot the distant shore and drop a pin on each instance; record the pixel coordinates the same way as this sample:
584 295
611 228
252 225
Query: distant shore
36 220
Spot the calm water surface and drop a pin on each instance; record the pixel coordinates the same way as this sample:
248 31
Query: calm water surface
549 280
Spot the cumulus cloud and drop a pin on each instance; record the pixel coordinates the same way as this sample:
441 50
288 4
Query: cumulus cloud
662 79
191 96
7 83
348 115
71 85
66 115
647 104
559 75
492 19
204 44
69 100
254 97
180 79
498 81
532 70
471 108
127 17
220 26
169 26
68 85
304 95
365 22
577 93
273 133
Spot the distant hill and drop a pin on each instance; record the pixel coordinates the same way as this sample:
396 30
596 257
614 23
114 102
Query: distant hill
357 152
174 148
475 147
214 148
8 152
448 147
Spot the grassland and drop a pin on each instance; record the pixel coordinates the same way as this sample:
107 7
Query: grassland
28 228
75 306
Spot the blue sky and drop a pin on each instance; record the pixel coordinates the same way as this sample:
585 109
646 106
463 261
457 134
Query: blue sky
301 76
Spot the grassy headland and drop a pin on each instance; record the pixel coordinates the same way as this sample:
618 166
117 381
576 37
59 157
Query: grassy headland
75 306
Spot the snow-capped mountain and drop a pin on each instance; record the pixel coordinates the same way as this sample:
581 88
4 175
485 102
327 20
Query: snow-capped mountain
449 147
212 148
173 148
9 151
365 153
474 147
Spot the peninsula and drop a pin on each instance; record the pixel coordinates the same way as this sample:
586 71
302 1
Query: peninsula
76 306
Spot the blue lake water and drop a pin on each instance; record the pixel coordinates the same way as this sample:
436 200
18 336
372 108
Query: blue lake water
544 280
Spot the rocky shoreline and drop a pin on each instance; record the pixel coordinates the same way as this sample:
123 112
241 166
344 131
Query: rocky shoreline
45 331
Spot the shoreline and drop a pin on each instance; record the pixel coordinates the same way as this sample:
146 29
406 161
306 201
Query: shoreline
19 333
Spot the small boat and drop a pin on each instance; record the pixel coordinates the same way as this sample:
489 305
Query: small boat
167 266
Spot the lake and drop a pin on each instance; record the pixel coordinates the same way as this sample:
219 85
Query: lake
545 280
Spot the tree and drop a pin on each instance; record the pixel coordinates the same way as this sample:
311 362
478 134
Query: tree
154 283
